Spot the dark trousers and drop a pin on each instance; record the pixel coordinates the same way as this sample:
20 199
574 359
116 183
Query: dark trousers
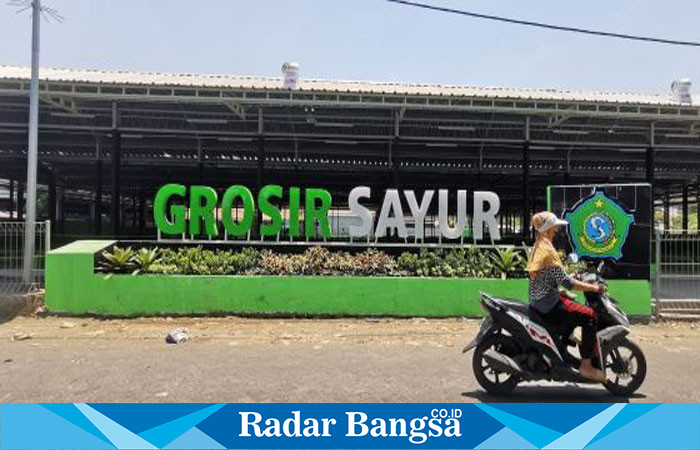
574 314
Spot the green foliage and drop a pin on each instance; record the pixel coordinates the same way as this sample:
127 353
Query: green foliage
470 262
118 260
408 263
144 259
127 260
198 261
320 261
374 262
506 261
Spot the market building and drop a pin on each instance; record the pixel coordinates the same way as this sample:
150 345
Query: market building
109 140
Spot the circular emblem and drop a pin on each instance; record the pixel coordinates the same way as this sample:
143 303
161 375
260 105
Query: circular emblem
598 228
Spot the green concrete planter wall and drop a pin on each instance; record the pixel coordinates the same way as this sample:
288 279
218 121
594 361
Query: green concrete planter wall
72 287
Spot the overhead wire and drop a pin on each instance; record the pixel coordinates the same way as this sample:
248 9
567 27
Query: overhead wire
546 25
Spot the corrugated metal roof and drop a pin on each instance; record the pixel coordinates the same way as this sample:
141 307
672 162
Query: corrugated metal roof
363 87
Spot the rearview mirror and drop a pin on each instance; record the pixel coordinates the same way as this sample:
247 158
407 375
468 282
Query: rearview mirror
572 258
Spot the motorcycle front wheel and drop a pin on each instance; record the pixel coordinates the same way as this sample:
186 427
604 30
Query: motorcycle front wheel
625 366
494 381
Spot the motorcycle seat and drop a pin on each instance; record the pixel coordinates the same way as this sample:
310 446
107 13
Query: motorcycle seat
540 319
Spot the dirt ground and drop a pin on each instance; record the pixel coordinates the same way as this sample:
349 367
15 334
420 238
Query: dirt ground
232 359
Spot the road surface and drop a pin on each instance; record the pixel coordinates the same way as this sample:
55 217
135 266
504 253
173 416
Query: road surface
283 360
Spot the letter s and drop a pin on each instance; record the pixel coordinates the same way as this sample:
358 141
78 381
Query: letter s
435 428
365 229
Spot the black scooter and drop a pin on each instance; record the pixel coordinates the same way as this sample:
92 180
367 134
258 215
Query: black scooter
516 344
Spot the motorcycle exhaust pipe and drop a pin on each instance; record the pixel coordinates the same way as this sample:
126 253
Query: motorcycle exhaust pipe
501 362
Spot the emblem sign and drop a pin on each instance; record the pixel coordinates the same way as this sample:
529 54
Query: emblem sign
598 227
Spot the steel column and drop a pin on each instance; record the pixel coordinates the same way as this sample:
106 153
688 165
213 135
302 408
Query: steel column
650 163
97 219
393 151
667 213
52 200
134 213
116 183
686 189
142 212
62 209
11 207
697 206
526 180
200 161
393 173
261 165
20 199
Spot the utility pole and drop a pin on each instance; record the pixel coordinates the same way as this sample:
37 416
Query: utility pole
32 148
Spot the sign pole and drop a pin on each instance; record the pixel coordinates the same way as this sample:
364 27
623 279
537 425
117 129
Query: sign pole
32 148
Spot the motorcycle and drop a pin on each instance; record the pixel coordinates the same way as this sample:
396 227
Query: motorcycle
515 343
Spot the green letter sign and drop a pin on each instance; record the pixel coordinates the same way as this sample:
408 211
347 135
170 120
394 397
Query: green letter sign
270 210
203 211
177 212
311 214
243 226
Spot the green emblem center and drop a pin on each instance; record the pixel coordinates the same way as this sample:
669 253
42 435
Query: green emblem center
598 227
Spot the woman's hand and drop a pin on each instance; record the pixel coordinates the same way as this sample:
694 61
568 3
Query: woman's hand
599 288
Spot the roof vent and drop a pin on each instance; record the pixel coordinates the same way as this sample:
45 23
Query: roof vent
291 75
681 91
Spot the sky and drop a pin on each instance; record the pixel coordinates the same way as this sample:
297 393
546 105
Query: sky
371 40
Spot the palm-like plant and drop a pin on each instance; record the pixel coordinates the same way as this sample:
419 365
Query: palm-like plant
119 260
506 260
144 259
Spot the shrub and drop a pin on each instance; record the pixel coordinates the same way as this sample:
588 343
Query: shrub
198 261
374 262
408 263
320 261
472 262
144 259
506 260
118 260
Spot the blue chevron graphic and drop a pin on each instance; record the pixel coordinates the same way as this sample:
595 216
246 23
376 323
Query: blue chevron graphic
188 426
629 413
117 434
19 423
670 426
71 413
530 431
162 435
194 439
139 417
559 417
506 439
582 435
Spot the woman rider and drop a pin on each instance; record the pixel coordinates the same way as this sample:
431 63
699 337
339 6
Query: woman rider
546 275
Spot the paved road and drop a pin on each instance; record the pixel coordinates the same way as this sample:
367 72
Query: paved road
253 360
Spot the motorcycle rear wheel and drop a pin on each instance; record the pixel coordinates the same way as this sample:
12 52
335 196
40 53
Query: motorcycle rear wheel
501 383
624 360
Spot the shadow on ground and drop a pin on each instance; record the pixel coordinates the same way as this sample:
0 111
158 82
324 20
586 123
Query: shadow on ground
552 394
